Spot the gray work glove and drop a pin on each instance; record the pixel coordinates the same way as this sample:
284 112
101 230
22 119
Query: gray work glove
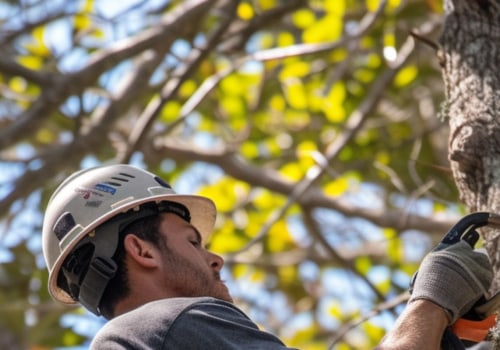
454 278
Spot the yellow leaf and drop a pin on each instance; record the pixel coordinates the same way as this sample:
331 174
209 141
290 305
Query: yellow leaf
305 152
258 276
285 39
249 150
383 157
279 238
288 274
295 94
187 88
395 250
295 69
372 331
337 187
70 339
409 269
31 62
240 271
303 18
328 28
389 233
373 61
245 11
266 4
393 4
364 75
18 84
343 346
233 85
234 106
372 5
38 47
292 171
82 22
277 103
306 147
335 311
265 200
271 147
45 136
88 5
337 7
363 264
228 237
439 207
333 106
384 286
389 39
405 76
223 192
295 119
227 243
170 111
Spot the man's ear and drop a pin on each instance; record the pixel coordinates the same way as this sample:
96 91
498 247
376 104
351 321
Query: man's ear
142 252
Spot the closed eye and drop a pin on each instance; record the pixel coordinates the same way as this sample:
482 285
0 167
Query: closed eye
195 238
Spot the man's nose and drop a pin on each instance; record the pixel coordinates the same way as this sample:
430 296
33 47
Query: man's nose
216 262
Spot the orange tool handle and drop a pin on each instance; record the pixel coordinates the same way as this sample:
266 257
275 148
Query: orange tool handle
475 331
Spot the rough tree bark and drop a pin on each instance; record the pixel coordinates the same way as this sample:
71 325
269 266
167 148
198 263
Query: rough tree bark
471 63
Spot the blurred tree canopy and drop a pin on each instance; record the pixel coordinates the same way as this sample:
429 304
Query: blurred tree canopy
313 124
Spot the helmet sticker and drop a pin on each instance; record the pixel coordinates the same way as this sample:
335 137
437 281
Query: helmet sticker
93 204
87 192
105 188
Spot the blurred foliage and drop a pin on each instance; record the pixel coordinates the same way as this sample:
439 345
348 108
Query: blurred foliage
312 124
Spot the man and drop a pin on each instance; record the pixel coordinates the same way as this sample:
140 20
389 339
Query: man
118 240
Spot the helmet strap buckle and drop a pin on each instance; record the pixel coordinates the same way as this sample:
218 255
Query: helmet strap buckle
101 270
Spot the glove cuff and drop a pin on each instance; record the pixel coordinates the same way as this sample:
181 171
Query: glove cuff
447 312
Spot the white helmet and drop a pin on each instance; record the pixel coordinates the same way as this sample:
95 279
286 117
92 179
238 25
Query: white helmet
89 206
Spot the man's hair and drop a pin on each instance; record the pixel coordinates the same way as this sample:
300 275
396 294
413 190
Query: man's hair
118 287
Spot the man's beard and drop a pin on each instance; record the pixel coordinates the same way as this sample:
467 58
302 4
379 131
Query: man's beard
187 279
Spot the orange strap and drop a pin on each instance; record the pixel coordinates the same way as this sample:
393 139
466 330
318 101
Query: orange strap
475 331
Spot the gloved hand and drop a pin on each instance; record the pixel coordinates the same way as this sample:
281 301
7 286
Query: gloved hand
453 278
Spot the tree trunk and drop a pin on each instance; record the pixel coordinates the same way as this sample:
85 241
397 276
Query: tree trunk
471 71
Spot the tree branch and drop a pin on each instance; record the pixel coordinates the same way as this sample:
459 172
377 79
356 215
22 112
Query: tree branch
159 38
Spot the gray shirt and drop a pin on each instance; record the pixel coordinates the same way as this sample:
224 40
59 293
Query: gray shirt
184 323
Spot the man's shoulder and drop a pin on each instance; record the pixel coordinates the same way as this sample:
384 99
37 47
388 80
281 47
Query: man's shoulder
147 325
167 310
173 306
184 323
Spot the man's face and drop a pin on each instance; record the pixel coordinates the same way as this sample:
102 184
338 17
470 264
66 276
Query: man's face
189 269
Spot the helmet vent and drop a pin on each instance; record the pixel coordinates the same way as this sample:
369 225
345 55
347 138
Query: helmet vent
128 175
118 181
63 225
162 182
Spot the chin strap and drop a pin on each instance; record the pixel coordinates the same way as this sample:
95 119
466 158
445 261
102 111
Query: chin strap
100 272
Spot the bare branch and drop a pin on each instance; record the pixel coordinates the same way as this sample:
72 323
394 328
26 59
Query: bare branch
172 86
238 168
